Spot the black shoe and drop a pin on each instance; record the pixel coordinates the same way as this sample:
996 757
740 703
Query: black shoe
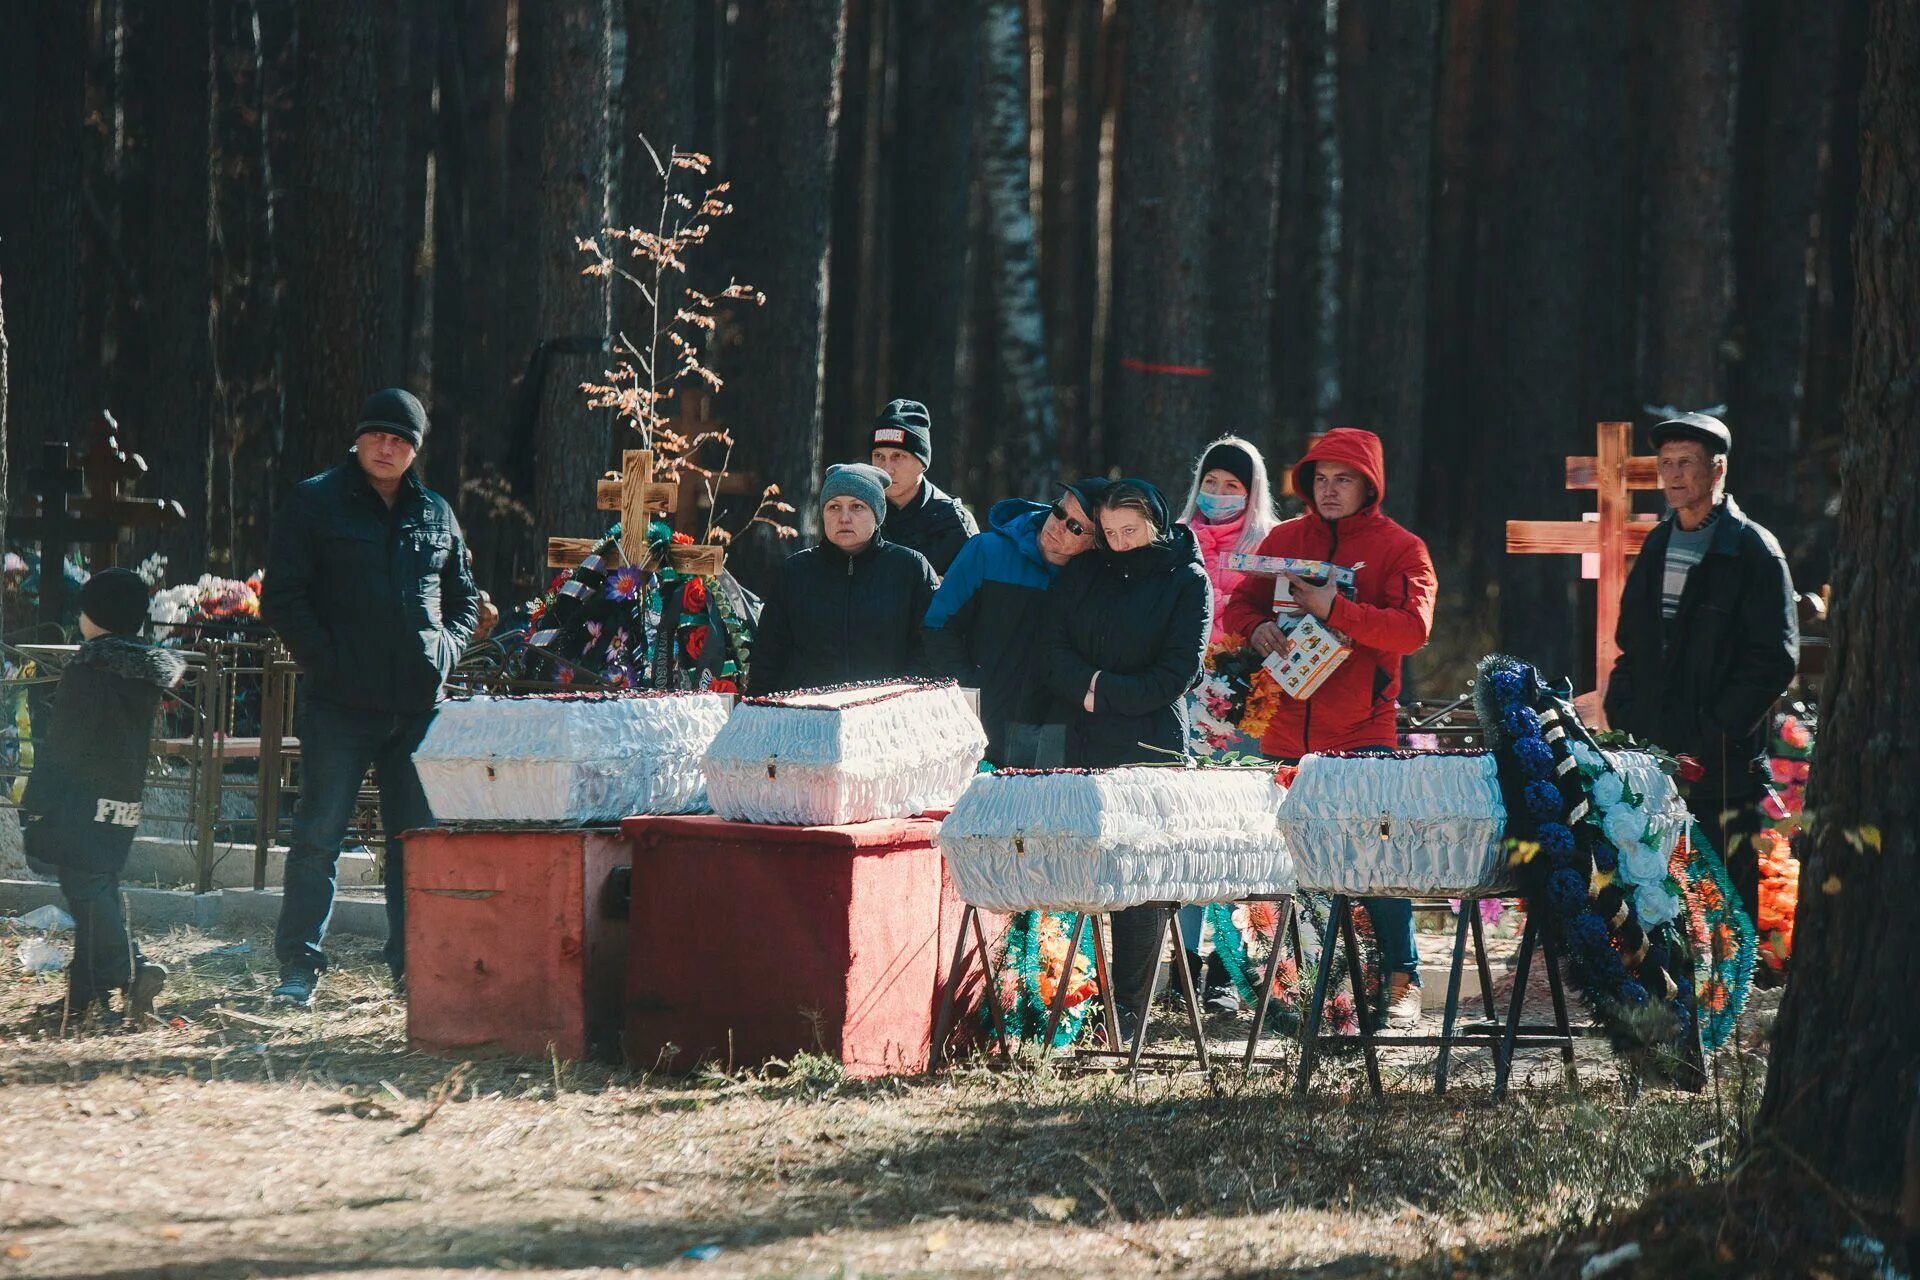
1219 995
297 987
148 979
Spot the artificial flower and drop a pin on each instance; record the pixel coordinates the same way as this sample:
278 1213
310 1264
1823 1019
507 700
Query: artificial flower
1624 826
696 641
1691 770
626 583
693 596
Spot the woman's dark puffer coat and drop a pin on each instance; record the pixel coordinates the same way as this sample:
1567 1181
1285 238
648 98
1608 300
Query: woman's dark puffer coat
1139 618
832 618
82 801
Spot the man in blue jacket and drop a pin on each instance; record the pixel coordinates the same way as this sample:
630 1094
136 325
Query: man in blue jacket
984 625
367 585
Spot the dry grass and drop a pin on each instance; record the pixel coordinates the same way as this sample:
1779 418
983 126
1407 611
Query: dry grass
245 1141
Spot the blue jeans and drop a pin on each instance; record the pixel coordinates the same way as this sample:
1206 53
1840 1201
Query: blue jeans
1393 930
337 747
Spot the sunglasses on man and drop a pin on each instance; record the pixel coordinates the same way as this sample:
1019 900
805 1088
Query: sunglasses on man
1074 527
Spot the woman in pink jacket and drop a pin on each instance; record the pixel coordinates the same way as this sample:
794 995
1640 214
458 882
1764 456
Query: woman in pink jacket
1229 508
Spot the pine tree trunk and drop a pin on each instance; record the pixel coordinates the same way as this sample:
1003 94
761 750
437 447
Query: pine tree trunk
937 87
48 404
418 24
1076 112
1250 116
1388 64
1543 314
6 504
1842 1079
1471 170
1306 196
489 359
1032 442
783 107
251 142
1160 392
343 265
1688 270
856 295
1787 62
173 418
566 55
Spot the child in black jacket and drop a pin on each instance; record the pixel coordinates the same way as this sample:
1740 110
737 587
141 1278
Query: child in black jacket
82 801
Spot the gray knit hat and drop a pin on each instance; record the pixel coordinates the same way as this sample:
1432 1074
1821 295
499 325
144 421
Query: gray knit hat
861 481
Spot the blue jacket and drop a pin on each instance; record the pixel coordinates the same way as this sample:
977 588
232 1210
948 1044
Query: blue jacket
986 622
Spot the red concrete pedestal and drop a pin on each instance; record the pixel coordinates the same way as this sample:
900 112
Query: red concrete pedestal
512 947
752 942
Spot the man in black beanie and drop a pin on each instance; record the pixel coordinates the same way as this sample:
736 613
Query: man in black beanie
367 584
921 517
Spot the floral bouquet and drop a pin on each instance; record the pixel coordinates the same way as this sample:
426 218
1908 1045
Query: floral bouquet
629 627
1789 761
1235 700
185 613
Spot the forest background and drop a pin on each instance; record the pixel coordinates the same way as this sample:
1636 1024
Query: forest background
1090 234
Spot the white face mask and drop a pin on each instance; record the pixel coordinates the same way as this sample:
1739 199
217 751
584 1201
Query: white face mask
1220 506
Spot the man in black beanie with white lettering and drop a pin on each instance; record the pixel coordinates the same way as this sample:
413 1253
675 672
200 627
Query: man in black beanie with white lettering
920 516
367 584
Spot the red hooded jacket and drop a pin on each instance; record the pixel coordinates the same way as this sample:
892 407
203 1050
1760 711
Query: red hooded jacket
1390 616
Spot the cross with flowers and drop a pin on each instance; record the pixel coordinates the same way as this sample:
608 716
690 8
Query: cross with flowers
636 496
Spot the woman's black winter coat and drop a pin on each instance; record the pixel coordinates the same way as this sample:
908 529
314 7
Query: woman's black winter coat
832 618
82 801
1139 618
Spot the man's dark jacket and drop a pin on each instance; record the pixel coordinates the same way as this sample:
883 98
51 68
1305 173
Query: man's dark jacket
375 603
82 801
1702 683
1141 620
832 618
933 523
988 619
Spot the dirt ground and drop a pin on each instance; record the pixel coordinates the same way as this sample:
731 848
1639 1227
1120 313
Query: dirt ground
237 1139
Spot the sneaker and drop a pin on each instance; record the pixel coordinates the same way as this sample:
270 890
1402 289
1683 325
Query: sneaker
1403 1002
297 987
148 978
1219 995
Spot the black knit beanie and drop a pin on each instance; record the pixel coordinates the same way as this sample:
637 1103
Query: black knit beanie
396 412
116 600
1232 459
905 424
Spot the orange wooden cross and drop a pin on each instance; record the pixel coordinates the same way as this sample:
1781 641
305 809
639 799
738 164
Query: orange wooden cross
1612 541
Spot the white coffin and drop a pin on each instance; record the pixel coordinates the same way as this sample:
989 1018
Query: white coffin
1102 840
576 759
1426 826
850 753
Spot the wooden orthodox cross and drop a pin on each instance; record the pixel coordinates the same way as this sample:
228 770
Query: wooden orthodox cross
637 497
699 493
1611 541
83 501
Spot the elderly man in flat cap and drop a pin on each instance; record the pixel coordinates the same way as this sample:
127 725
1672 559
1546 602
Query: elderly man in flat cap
1709 639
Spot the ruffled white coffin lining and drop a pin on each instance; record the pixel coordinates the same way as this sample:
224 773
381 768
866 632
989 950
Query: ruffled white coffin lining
845 755
1117 838
1429 827
568 760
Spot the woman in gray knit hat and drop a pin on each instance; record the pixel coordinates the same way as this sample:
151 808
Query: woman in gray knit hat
850 608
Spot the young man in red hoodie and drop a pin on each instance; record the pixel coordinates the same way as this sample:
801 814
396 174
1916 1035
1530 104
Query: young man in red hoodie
1344 478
